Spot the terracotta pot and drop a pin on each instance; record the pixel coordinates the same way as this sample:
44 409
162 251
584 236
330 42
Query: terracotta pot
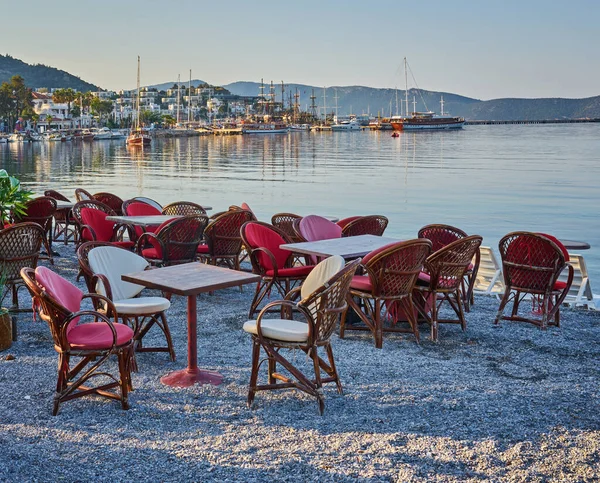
5 331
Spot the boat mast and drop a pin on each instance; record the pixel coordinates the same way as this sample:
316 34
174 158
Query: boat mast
178 82
336 103
137 96
324 105
406 85
442 104
189 97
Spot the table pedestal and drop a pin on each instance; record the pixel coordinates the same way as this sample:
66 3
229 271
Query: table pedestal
192 374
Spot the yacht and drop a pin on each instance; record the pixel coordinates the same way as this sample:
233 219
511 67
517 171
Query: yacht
348 125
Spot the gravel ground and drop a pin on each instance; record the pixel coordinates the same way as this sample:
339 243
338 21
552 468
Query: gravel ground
508 403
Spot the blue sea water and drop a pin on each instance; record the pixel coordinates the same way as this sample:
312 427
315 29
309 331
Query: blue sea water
487 180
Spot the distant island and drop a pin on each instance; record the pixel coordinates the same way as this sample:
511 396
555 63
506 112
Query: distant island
350 99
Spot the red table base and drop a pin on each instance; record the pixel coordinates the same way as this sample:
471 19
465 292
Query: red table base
189 377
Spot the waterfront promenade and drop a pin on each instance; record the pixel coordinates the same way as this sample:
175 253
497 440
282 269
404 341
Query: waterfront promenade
508 403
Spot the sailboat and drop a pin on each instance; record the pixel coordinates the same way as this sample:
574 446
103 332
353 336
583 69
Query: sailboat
138 136
427 120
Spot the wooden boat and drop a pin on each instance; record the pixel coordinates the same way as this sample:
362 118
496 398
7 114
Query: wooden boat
138 136
264 128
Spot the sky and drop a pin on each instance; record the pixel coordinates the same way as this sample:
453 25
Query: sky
476 48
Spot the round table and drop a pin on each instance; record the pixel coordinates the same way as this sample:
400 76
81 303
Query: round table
575 245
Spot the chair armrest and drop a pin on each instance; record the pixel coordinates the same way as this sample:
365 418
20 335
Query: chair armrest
100 277
259 267
82 228
150 238
289 305
97 315
110 306
293 294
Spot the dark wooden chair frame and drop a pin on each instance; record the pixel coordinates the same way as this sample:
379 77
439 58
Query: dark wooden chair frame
83 195
111 200
44 219
392 285
321 310
447 268
366 225
62 219
542 278
183 208
140 324
71 382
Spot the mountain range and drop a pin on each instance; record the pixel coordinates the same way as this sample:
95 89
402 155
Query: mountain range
350 99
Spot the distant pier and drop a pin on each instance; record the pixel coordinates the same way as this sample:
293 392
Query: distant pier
541 121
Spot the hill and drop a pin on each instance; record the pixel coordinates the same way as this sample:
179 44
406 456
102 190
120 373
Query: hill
360 99
167 85
40 75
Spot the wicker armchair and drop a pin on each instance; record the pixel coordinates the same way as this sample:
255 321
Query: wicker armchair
274 265
442 235
58 303
64 225
531 264
83 195
445 270
323 295
223 243
365 225
111 200
19 248
387 289
91 218
183 208
174 242
40 210
136 207
285 223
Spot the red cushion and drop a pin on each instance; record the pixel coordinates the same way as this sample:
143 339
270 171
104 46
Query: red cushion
141 209
96 219
558 244
202 248
343 222
67 294
293 272
97 335
560 285
261 236
154 252
314 228
124 244
361 282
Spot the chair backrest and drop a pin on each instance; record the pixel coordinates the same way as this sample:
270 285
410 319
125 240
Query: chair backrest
97 205
327 297
344 221
222 234
366 225
181 237
112 262
441 235
109 199
183 208
285 222
257 234
393 269
103 229
19 247
530 261
56 195
39 210
489 278
65 295
139 208
148 201
448 265
82 195
314 228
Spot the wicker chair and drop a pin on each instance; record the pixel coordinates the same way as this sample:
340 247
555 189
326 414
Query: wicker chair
285 223
19 248
109 199
445 270
223 243
136 207
102 265
532 264
323 295
387 289
58 303
91 218
149 201
365 225
274 265
442 235
183 208
64 225
41 210
174 242
83 195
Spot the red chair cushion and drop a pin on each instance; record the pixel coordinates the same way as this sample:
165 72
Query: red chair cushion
560 285
142 209
558 244
154 252
202 248
63 291
343 222
97 335
361 282
293 272
261 236
97 220
124 244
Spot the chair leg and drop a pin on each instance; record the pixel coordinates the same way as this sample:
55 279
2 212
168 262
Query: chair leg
124 381
167 331
319 385
434 316
254 371
272 368
502 306
334 372
409 310
378 325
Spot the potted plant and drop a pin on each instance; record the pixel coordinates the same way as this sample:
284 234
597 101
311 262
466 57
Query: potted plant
12 197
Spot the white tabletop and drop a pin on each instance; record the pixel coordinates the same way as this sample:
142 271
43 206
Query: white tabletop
351 246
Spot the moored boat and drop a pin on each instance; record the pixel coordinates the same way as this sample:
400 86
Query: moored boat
426 121
346 125
264 128
138 136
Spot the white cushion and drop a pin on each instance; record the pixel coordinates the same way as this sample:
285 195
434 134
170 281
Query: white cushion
112 262
320 274
280 329
142 305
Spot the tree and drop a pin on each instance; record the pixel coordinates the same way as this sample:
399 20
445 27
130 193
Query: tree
168 120
101 108
64 96
149 117
49 120
15 98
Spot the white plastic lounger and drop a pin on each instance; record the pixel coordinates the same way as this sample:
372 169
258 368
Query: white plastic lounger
580 293
490 280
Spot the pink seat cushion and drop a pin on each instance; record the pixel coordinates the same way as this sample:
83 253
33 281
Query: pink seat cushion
314 228
97 335
293 272
63 291
246 207
202 248
261 236
96 219
361 282
152 253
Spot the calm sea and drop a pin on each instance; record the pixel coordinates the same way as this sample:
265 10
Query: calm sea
487 180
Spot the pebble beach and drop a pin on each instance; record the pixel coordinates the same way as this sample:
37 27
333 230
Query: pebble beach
495 403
